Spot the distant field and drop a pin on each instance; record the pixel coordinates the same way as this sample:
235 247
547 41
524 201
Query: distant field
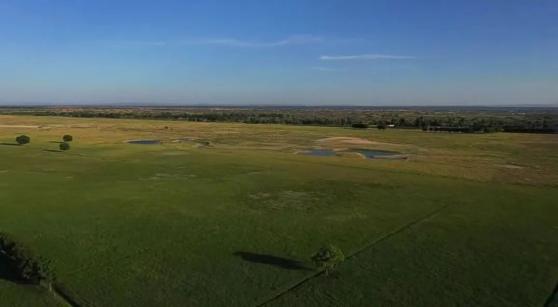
212 214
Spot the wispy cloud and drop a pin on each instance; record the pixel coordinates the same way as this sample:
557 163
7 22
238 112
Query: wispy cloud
372 56
232 42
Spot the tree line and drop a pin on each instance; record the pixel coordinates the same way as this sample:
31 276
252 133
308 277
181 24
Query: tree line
469 121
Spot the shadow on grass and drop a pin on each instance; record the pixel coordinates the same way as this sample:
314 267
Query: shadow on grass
10 144
56 142
280 262
52 150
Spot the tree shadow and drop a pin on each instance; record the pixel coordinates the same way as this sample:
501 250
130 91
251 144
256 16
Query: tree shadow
52 150
280 262
10 144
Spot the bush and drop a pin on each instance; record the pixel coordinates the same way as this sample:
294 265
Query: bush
22 264
23 139
328 257
360 125
67 138
381 126
64 146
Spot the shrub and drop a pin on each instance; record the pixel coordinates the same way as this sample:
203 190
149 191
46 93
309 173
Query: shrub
22 264
381 126
328 257
67 138
23 139
64 146
360 125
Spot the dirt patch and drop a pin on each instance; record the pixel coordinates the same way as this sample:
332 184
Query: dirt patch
19 126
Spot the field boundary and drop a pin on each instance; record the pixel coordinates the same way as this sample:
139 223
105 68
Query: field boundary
370 245
62 295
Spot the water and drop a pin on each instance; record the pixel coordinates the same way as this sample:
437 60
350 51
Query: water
368 153
375 153
321 153
145 142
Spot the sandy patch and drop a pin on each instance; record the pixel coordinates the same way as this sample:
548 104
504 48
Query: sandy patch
19 126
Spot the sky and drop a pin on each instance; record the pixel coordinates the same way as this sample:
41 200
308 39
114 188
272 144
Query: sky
285 52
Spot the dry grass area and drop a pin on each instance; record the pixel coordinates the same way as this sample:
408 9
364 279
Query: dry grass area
500 157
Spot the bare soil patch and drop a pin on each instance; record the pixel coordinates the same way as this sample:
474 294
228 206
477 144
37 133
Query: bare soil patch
19 126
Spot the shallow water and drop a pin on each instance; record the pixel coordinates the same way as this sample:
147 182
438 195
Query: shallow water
368 153
145 142
375 153
321 152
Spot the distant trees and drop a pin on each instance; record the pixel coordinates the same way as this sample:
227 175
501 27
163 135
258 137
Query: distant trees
67 138
462 120
64 146
23 139
359 125
328 257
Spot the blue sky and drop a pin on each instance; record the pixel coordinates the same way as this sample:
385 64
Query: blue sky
489 52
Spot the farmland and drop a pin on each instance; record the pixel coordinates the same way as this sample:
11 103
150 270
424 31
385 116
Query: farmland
229 214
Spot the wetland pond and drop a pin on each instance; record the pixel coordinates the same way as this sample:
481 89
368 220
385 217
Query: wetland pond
375 153
367 153
320 152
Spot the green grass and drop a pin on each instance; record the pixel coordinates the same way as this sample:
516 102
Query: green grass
16 295
152 225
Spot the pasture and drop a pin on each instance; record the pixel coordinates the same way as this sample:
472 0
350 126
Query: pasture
216 214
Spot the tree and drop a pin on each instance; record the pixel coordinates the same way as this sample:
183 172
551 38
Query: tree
64 146
19 261
23 139
67 138
328 257
381 126
360 125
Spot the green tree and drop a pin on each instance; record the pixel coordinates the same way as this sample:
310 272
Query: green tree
23 139
359 125
328 257
67 138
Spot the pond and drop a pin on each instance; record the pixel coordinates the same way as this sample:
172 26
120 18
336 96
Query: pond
144 142
375 153
321 153
368 153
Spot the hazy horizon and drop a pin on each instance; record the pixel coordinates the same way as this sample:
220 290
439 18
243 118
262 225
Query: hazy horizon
336 53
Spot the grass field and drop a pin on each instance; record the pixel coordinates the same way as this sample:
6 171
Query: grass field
217 214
